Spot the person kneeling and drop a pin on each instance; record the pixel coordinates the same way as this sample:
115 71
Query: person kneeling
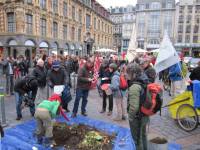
45 112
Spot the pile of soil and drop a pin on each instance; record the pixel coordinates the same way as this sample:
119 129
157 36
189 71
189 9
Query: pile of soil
81 137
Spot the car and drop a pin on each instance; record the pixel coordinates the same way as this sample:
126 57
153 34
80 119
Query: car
193 63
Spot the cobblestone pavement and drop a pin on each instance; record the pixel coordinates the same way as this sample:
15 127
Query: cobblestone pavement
160 125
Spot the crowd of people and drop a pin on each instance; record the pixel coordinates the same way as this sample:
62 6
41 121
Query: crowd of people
52 71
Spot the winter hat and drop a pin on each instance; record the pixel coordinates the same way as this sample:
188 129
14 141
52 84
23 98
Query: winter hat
113 66
56 64
55 97
40 62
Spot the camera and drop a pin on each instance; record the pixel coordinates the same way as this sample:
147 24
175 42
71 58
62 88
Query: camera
28 101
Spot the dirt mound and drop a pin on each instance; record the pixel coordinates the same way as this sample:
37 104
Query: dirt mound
81 137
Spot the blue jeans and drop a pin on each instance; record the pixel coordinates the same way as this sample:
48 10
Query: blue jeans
81 93
18 99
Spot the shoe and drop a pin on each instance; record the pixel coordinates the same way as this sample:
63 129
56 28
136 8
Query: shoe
19 118
73 115
84 114
102 111
109 113
123 117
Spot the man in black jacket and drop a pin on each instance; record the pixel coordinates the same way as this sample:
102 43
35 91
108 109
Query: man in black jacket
195 74
25 87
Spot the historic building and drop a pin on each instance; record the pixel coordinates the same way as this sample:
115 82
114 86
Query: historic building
31 27
124 18
188 27
153 18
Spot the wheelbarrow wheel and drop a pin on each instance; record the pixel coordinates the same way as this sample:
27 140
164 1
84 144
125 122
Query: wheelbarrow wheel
187 117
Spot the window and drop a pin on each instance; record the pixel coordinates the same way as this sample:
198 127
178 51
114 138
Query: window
155 5
65 9
11 22
188 29
169 5
43 26
80 16
181 19
55 29
189 17
79 34
180 38
73 33
187 39
29 23
28 1
55 6
87 21
189 9
195 39
141 7
95 23
99 25
196 29
65 32
43 4
180 29
73 13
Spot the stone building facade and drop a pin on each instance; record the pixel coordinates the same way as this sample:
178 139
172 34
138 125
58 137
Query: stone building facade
188 27
31 27
153 18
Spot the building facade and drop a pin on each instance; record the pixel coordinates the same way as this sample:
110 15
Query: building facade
153 18
31 27
124 18
127 27
188 27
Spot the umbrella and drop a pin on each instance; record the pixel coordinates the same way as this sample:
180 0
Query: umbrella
139 50
155 51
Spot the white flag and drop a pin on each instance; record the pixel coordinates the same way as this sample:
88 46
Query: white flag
167 55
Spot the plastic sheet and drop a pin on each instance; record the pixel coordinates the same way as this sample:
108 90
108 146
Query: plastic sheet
21 136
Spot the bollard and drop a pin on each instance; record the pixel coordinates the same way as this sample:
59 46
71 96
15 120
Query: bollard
2 110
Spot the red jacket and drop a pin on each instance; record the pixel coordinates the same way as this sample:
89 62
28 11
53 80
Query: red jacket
56 97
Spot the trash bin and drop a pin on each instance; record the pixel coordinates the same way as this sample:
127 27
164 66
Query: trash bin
196 93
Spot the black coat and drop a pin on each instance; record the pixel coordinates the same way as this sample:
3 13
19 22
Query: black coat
195 74
40 74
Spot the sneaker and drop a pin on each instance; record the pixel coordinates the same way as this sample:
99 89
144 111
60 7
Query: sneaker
73 115
19 118
84 114
109 113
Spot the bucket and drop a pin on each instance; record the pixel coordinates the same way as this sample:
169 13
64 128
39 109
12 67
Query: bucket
158 143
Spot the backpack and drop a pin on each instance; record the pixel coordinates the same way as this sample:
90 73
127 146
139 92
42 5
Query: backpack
151 99
123 83
66 95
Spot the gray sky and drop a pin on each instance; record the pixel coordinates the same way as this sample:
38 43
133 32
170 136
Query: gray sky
114 3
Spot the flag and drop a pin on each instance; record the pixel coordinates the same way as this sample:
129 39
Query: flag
97 64
167 55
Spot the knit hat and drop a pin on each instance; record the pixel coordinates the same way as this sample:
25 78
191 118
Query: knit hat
40 62
56 64
113 66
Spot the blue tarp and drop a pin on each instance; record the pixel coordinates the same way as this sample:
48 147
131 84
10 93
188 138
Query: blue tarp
21 136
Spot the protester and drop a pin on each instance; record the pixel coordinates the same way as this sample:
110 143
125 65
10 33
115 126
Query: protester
105 76
175 77
39 73
45 112
21 66
117 95
83 86
137 121
195 74
56 76
25 87
9 72
26 65
148 69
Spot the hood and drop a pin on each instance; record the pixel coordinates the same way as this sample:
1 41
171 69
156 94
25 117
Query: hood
143 79
116 73
55 97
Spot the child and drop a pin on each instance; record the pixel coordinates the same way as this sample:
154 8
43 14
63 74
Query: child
44 113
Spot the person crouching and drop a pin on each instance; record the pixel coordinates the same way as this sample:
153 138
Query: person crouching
45 112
